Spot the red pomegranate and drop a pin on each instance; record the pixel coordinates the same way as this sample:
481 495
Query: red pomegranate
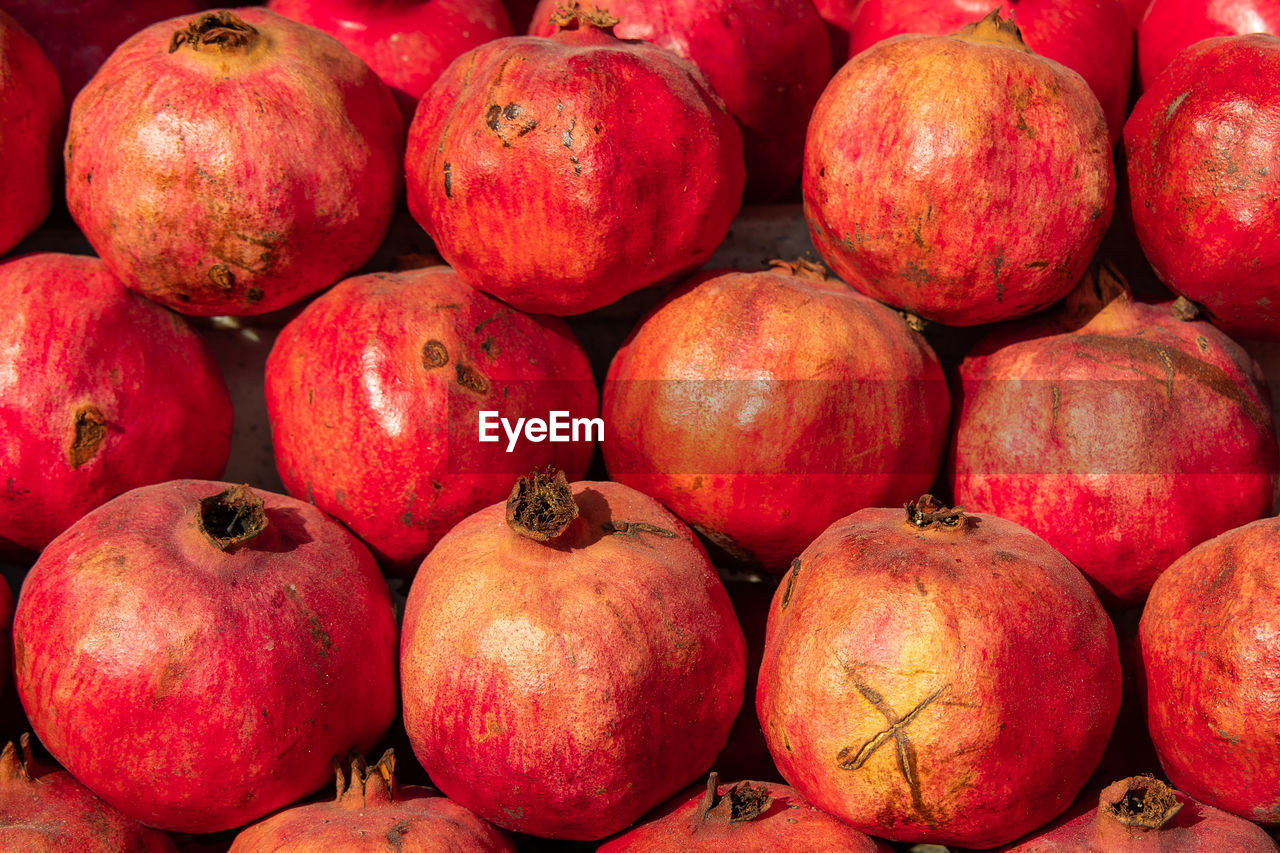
963 178
761 407
543 136
568 660
942 677
233 163
409 43
372 809
1170 25
377 392
1201 146
196 654
31 125
767 59
1141 814
100 391
1065 427
45 810
1091 37
1211 653
746 817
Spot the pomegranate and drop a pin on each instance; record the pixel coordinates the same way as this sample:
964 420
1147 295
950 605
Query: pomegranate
376 390
963 178
1091 37
1201 146
370 805
30 132
1065 424
568 660
100 391
1141 814
407 42
196 653
1211 654
45 810
761 407
184 168
746 817
540 136
942 677
1170 25
767 59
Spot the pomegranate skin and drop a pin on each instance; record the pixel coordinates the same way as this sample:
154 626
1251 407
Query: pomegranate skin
44 810
1143 815
1201 145
1212 661
1067 432
767 59
197 689
962 696
563 689
1167 26
31 125
408 43
100 391
1091 37
982 204
761 407
616 154
183 166
374 393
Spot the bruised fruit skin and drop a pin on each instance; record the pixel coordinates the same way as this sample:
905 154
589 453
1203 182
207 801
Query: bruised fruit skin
375 391
1168 26
31 124
1211 653
1143 815
746 817
937 676
1202 144
1123 442
563 680
963 178
100 391
408 43
560 174
370 810
767 59
45 810
234 162
761 407
195 653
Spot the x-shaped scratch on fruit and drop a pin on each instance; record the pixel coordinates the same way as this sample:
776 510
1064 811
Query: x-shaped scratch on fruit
850 758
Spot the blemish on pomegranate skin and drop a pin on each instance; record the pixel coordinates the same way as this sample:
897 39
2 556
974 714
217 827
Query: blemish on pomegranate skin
434 355
448 180
90 430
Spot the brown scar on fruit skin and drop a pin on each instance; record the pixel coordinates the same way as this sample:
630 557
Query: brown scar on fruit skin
791 584
471 379
90 428
634 529
434 355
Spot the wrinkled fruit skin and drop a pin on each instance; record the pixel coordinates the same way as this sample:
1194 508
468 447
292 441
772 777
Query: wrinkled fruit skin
767 59
184 168
1212 663
761 407
789 823
196 689
408 43
374 393
1201 145
31 126
1091 37
616 156
948 685
564 689
979 205
44 810
100 391
1170 25
1067 432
